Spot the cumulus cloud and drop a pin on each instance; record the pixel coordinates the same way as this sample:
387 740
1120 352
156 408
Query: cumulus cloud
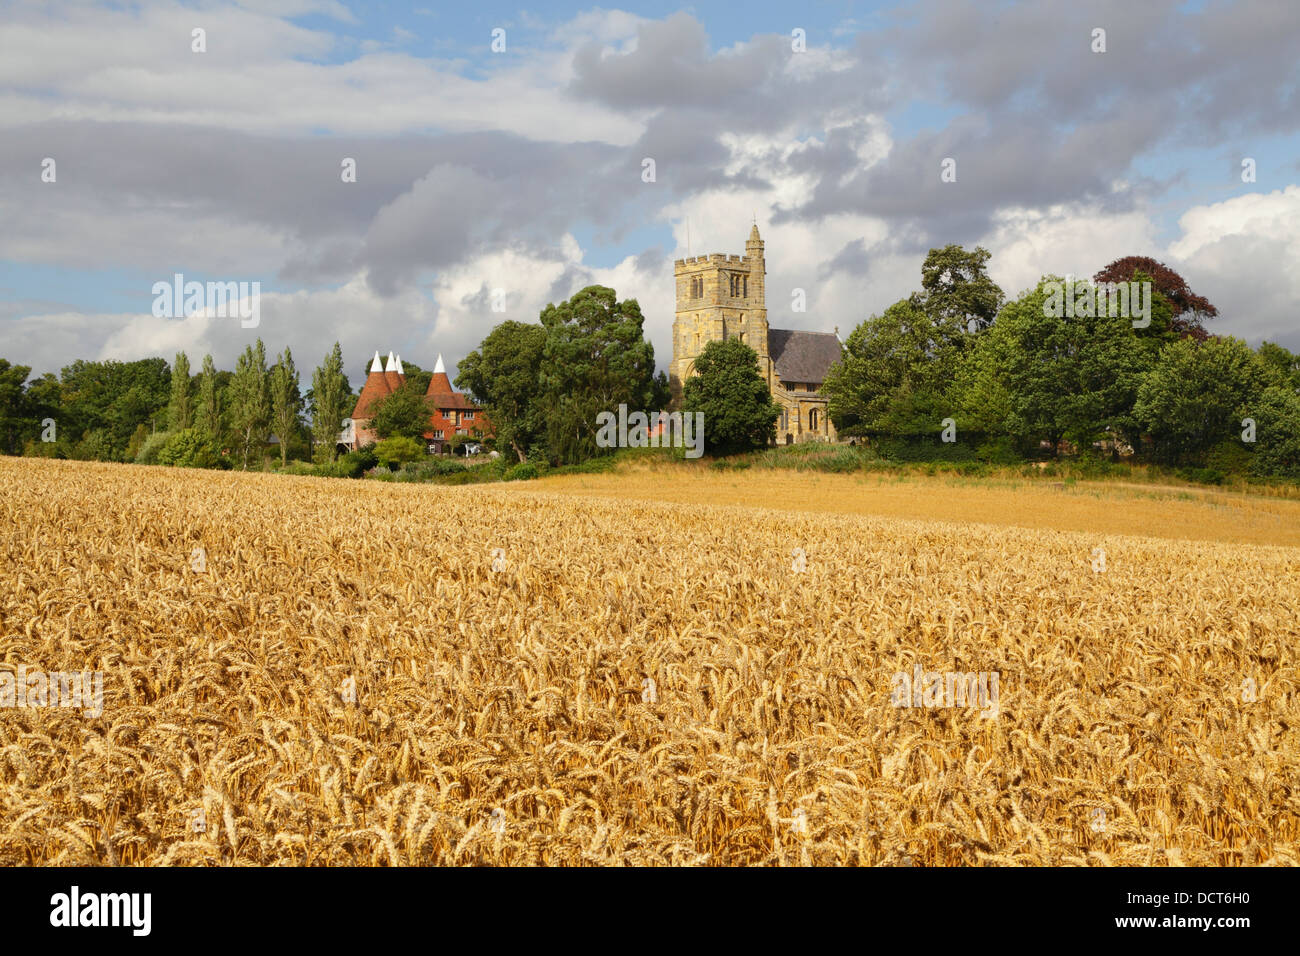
475 172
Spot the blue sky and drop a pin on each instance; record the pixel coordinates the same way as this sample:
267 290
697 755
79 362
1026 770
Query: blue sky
520 171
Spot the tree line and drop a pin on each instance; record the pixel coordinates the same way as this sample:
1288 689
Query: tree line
146 412
953 370
1009 380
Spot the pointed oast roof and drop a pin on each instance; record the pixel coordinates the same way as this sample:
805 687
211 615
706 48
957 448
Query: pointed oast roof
440 384
377 387
391 375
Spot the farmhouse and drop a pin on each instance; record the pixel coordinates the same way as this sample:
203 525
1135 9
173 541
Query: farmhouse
723 296
450 412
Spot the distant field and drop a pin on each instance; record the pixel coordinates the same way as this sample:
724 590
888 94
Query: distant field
1102 508
599 670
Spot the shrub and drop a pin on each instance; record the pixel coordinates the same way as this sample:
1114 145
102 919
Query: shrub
998 451
148 454
1231 457
522 472
188 448
391 452
1202 476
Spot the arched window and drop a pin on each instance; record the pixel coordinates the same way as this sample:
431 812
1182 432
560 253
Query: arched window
812 419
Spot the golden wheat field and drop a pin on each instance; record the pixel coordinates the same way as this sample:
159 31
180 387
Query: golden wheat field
626 681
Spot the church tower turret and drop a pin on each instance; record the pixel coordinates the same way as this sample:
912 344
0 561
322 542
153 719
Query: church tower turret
719 297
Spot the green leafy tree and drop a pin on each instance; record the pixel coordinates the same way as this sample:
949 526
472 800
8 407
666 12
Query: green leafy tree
403 412
188 448
138 439
286 402
1277 433
503 375
894 373
180 410
1196 396
416 377
1281 366
595 358
250 402
957 291
44 399
210 417
739 414
397 449
329 395
112 398
15 417
1035 376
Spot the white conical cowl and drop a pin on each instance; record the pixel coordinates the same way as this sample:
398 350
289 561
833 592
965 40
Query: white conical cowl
392 363
376 365
438 367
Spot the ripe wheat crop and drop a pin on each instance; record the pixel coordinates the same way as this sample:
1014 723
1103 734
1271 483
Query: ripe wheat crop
314 672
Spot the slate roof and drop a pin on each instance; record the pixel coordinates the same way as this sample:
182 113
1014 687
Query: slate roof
802 356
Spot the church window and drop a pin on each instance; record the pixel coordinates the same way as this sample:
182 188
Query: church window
812 419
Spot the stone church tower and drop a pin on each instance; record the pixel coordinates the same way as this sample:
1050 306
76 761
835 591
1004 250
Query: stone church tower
720 297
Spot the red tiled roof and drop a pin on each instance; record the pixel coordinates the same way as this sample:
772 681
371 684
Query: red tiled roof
375 389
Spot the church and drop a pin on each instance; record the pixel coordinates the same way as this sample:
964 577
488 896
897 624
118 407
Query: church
722 296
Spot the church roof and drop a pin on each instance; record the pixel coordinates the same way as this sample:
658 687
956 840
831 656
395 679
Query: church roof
802 356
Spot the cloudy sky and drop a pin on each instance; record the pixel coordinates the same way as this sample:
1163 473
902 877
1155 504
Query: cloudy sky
522 169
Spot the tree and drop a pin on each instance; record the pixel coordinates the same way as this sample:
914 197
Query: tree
286 401
1196 396
250 403
894 373
739 414
1277 433
503 376
1188 308
1281 365
1035 376
111 399
180 410
209 414
403 412
188 448
397 449
418 378
14 412
957 290
595 359
44 399
329 388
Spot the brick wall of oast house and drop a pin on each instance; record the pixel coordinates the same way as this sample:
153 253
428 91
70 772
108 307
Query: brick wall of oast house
446 403
377 387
